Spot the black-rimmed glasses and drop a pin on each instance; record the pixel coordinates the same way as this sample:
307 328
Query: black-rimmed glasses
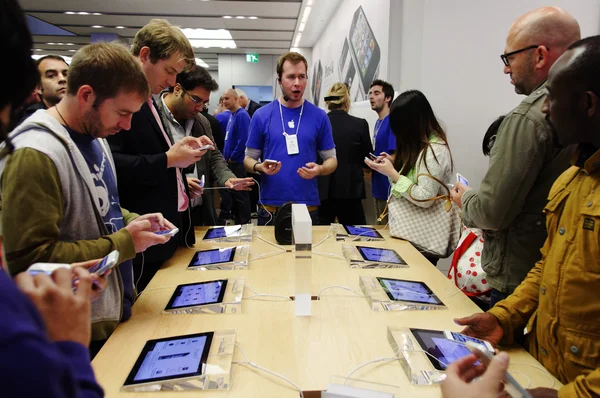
194 99
504 57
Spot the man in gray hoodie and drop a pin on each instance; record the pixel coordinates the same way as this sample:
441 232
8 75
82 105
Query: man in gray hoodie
60 201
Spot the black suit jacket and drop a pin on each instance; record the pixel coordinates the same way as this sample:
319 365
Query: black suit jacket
215 127
252 107
352 145
145 183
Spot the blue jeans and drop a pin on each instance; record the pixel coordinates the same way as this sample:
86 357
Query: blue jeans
496 296
264 218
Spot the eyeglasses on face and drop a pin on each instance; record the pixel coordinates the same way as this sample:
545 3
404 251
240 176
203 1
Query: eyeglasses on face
505 57
195 100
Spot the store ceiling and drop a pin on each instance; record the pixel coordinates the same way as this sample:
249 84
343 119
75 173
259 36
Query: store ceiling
261 27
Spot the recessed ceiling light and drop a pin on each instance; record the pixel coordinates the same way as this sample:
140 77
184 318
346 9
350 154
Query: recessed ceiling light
69 44
227 16
97 26
96 13
207 34
241 17
252 17
69 13
201 63
83 13
50 44
37 49
73 51
120 27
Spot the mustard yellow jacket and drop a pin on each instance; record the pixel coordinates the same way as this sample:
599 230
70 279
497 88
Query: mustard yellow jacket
559 301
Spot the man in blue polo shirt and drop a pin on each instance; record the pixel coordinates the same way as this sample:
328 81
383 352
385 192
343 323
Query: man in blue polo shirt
236 135
381 95
287 134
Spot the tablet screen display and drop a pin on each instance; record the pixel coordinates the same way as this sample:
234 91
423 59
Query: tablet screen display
215 233
171 358
367 232
411 291
380 255
435 343
213 256
193 294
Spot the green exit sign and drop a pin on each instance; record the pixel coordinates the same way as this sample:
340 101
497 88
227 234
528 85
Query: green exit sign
252 58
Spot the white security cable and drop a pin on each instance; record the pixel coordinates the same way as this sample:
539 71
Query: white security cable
338 287
252 364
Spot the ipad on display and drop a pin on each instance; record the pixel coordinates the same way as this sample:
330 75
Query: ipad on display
213 256
367 232
435 343
408 291
171 358
223 232
376 254
195 294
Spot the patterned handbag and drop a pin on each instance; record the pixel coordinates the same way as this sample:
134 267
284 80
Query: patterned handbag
434 230
466 271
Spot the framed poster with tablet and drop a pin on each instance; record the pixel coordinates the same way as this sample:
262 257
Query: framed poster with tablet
226 258
209 297
200 361
365 50
387 294
372 257
231 233
356 233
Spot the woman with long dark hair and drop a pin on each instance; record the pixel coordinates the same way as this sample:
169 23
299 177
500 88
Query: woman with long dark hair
422 163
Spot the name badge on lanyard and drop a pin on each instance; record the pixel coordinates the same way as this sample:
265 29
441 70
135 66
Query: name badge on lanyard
291 143
291 140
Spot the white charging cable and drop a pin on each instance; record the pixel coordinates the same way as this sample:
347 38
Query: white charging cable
252 364
338 287
256 294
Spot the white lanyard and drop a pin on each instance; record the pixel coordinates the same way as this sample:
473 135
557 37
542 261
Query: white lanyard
299 119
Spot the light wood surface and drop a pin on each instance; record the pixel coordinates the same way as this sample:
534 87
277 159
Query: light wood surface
342 333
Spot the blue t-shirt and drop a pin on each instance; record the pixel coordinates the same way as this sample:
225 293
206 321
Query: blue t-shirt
236 135
313 132
223 119
385 141
110 208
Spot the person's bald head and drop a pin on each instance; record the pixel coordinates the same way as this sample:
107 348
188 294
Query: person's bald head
573 102
231 100
549 31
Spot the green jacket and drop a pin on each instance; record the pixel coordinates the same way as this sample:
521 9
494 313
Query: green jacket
524 163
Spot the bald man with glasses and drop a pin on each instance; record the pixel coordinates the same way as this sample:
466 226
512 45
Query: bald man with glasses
525 160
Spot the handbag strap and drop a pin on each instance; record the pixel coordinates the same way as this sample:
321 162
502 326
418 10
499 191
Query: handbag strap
447 196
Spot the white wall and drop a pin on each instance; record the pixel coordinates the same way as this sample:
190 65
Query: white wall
213 101
234 70
451 50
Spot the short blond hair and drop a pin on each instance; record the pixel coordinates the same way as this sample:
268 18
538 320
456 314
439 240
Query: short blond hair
342 100
109 68
163 40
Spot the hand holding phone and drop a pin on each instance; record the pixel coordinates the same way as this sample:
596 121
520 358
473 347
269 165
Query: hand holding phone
107 263
512 387
462 179
271 166
168 232
206 147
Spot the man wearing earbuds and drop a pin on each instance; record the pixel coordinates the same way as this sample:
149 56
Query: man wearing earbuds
287 134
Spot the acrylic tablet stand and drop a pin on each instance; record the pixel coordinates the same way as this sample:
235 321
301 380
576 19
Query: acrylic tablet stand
355 260
234 233
239 262
216 374
231 304
380 301
342 235
414 361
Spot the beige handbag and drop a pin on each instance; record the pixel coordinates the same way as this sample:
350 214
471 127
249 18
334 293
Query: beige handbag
434 230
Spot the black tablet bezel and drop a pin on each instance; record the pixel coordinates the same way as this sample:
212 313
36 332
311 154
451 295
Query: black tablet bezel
170 307
377 234
364 257
208 231
197 254
152 343
391 297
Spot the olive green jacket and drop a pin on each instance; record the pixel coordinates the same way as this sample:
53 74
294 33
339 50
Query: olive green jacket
524 163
